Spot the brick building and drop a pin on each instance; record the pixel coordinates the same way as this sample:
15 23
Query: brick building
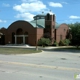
23 32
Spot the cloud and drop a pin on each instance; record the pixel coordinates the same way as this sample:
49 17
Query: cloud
29 0
64 2
6 5
3 21
26 16
52 4
74 17
30 7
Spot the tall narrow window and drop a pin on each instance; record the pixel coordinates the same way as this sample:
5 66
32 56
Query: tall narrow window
26 37
48 16
64 30
13 38
48 26
60 37
53 17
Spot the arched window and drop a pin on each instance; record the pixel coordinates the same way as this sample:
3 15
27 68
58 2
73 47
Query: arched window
19 31
48 16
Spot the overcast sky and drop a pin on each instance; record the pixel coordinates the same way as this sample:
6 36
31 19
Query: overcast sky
66 11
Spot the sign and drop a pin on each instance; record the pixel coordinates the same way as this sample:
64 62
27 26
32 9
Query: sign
77 76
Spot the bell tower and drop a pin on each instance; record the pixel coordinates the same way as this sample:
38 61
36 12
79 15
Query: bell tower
49 30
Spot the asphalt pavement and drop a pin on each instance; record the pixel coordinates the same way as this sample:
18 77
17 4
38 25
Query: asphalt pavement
47 65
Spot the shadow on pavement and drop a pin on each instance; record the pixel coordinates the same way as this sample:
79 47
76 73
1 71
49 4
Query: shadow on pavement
62 50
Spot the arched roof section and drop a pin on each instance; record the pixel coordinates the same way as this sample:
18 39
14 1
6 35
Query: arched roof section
64 24
59 25
20 23
40 23
3 28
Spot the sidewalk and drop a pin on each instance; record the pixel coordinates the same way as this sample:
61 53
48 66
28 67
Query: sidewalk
51 49
39 47
26 46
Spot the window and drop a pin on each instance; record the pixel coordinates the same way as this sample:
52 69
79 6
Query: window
48 16
47 26
53 17
38 17
13 38
42 17
60 37
19 31
64 29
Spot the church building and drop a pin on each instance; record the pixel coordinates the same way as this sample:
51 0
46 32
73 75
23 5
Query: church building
25 32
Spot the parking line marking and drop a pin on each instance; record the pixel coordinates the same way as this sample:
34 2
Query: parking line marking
40 66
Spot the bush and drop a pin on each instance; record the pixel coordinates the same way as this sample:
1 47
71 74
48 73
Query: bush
44 42
65 42
61 43
55 43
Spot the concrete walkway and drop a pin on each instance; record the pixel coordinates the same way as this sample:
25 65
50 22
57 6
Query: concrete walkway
42 48
26 46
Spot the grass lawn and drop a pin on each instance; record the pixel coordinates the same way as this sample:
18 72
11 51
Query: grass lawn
67 48
70 47
17 51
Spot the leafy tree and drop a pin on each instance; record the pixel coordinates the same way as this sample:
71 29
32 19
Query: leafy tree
44 42
65 42
75 31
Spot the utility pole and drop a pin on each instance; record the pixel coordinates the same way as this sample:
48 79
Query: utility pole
36 35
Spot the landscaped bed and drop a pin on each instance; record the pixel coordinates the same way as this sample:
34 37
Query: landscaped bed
17 50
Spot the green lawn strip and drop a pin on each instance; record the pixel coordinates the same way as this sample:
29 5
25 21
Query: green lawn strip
73 48
67 48
17 51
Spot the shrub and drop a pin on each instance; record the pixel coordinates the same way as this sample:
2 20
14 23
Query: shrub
55 43
65 42
61 43
44 42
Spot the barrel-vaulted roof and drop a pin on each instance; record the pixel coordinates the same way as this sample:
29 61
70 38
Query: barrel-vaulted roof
40 23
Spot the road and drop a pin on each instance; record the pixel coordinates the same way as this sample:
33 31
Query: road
48 65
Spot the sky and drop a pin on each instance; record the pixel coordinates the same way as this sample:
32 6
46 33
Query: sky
66 11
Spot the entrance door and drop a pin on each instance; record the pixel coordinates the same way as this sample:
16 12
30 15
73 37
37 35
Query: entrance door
26 40
19 40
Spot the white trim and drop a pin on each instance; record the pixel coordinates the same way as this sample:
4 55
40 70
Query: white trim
21 35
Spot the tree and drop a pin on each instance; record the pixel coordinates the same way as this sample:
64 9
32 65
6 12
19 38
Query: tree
64 42
44 42
75 31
